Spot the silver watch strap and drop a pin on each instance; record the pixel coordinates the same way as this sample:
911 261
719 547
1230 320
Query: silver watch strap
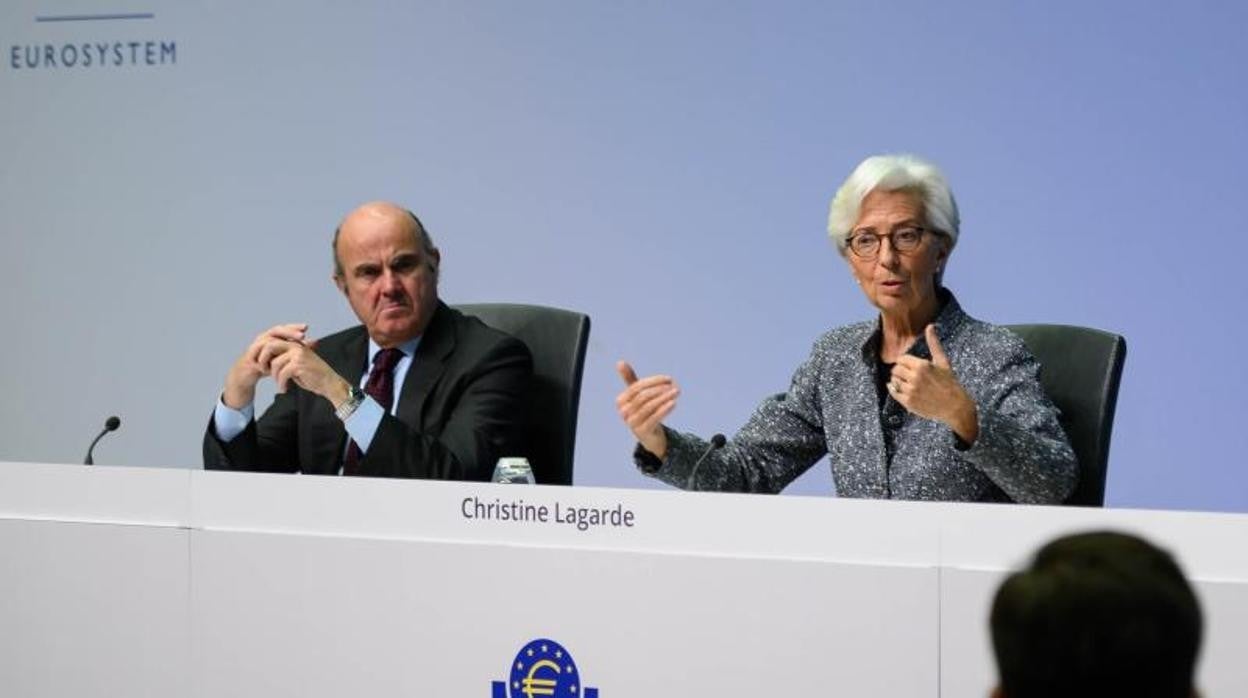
355 398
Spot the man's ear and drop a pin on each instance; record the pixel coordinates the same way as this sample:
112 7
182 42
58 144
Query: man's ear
997 692
434 261
340 283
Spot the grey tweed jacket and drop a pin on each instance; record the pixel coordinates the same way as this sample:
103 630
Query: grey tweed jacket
832 408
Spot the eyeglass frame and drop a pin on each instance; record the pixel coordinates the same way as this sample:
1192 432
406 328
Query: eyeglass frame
879 240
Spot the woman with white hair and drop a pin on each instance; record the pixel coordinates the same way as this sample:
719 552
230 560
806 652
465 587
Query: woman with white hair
924 402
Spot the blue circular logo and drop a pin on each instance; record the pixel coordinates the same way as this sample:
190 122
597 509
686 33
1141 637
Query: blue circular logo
544 668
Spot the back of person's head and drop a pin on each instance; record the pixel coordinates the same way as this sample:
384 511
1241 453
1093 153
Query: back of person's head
1097 614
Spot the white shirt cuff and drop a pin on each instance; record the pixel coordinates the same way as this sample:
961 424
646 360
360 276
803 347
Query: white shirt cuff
363 423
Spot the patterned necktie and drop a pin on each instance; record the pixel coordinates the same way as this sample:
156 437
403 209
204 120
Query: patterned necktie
380 387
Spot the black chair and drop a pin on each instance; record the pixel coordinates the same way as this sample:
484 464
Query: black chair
557 339
1080 370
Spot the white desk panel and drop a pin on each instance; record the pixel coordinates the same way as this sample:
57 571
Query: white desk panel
968 667
814 528
97 493
294 615
279 578
1211 547
93 610
1223 671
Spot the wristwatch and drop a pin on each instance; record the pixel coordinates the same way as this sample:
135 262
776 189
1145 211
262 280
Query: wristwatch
355 398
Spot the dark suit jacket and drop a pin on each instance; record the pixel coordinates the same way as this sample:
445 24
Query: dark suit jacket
459 410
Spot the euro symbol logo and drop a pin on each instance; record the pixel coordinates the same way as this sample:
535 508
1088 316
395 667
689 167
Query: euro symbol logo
534 686
542 668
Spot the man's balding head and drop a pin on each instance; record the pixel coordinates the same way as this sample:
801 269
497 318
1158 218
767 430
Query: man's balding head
387 265
402 217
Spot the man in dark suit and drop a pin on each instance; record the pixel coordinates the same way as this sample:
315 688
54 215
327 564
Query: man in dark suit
418 390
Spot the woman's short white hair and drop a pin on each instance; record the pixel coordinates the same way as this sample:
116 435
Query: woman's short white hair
893 173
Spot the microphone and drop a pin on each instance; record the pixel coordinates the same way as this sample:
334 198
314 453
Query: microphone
717 442
110 424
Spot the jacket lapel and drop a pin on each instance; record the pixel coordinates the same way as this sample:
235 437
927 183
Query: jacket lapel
428 365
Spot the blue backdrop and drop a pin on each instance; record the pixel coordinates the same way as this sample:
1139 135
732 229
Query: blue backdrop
664 167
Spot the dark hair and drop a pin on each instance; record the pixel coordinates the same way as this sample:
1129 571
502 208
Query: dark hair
1097 614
